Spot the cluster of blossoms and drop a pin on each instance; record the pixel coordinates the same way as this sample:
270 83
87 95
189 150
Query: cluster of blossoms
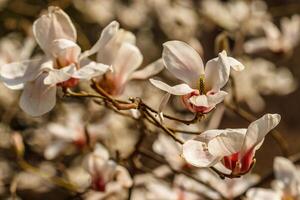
99 148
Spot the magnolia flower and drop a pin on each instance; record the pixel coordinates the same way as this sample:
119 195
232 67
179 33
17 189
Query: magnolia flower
62 65
276 40
286 185
120 52
106 176
261 77
201 90
233 148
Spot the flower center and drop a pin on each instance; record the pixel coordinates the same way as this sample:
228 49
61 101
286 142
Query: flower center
202 84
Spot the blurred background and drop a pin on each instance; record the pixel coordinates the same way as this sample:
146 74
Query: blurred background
270 85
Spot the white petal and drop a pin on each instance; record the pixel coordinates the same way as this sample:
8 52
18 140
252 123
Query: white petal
196 153
216 98
182 61
262 194
59 75
61 132
217 72
258 129
65 50
127 60
38 98
235 64
91 70
148 71
107 34
15 74
227 143
180 89
271 31
200 100
56 24
256 45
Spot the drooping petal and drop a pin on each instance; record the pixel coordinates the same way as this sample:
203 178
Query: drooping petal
148 71
65 51
182 61
15 74
59 75
235 64
196 153
107 34
38 98
127 60
91 70
56 24
258 129
227 143
180 89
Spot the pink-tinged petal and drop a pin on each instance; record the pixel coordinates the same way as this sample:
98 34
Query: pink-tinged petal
200 100
107 34
107 53
180 89
285 170
126 61
258 129
65 51
91 70
262 194
148 71
227 143
38 98
56 76
214 99
182 61
197 155
56 24
14 75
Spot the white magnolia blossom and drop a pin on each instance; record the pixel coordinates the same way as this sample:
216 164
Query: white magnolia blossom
107 177
120 52
261 77
201 90
61 66
276 40
285 186
230 150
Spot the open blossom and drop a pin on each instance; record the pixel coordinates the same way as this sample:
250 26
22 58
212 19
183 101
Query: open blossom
201 91
106 175
61 65
286 185
233 148
276 40
120 52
